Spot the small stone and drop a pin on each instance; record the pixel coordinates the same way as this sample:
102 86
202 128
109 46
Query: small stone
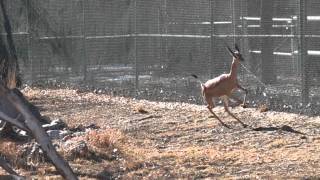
56 124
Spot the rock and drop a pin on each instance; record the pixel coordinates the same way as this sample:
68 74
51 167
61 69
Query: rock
57 134
56 124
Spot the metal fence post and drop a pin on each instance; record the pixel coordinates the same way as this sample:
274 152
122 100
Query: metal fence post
293 45
211 38
303 52
135 48
234 21
84 60
268 74
29 43
166 33
160 33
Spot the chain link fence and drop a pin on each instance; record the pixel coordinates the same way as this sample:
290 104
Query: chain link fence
148 49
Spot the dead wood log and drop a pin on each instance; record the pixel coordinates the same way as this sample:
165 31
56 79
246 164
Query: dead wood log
15 121
32 124
11 114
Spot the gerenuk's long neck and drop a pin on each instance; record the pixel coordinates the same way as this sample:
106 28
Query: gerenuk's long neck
233 69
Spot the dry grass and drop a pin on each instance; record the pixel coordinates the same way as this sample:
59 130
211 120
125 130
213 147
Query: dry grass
107 138
9 149
179 140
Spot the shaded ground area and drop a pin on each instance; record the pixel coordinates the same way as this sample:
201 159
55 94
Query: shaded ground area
143 139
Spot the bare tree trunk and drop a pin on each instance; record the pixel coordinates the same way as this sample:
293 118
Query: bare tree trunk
8 62
12 59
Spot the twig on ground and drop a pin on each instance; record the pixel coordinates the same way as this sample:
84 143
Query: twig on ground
144 118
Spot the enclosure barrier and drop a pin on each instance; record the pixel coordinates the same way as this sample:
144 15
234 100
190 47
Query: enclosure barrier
148 49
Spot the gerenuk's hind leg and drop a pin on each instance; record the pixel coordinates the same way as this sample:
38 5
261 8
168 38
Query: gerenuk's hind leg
210 107
226 103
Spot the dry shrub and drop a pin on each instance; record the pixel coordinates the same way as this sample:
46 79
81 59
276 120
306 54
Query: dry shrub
263 108
107 138
9 149
112 144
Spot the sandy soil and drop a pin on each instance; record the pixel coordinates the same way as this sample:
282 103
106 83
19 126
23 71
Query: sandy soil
179 140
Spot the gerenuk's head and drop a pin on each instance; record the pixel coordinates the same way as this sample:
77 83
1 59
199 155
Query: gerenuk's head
235 54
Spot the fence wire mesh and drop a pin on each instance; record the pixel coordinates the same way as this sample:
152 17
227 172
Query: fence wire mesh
148 49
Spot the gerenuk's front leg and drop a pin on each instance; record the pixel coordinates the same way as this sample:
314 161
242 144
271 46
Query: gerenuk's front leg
245 96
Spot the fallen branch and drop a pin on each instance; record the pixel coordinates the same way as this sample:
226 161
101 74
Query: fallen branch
15 121
144 118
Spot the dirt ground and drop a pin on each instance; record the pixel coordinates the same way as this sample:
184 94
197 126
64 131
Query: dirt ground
162 140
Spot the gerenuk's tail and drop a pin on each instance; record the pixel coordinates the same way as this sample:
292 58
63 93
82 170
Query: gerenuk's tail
203 87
